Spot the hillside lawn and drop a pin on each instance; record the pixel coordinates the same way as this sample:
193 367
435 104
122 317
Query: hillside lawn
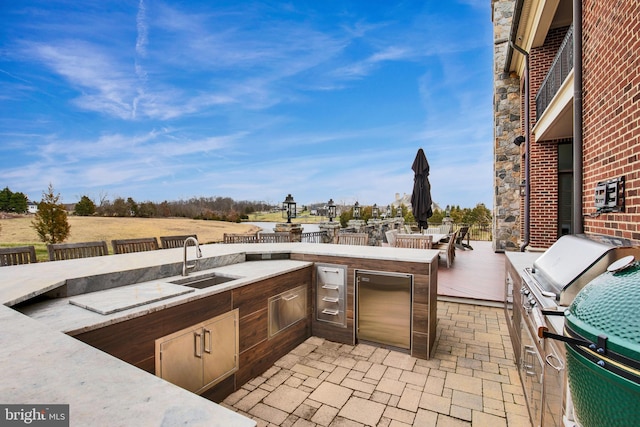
17 230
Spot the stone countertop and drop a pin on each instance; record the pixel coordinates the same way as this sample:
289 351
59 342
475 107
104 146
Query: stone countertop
40 364
71 319
21 282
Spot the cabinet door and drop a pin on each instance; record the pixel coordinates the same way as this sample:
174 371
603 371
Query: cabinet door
554 384
221 346
180 359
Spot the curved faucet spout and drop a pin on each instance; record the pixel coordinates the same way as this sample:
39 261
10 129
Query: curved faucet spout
186 267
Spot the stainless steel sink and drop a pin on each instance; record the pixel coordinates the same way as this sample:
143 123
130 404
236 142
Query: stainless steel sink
206 281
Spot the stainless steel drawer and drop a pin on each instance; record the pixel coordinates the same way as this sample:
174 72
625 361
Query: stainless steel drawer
287 308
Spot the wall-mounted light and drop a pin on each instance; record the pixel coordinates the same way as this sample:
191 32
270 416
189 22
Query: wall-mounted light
356 210
523 188
375 211
288 208
331 210
519 140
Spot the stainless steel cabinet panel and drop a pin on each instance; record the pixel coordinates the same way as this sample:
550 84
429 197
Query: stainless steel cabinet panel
199 357
181 360
331 289
287 308
220 348
555 379
531 369
384 308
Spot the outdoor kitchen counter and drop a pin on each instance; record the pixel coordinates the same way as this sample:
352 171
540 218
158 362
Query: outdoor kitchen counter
22 282
40 364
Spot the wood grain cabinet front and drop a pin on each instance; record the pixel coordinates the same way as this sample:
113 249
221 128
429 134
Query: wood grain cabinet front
198 357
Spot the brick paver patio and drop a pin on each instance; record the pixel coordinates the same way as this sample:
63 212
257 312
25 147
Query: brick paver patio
471 381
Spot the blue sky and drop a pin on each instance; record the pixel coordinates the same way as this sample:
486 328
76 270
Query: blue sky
167 100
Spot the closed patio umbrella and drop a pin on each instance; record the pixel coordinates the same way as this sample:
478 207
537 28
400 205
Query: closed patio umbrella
421 196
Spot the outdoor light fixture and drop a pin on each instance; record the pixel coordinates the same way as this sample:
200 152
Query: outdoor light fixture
519 140
399 212
447 211
523 188
388 211
356 210
375 211
331 210
288 208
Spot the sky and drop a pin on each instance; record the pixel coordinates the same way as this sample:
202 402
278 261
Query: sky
253 100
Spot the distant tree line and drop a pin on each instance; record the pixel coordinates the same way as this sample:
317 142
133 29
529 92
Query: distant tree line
207 208
13 202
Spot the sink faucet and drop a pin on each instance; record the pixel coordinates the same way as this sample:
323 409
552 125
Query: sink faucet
185 266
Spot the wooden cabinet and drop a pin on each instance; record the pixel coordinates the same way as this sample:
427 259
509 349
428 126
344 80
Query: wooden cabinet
198 357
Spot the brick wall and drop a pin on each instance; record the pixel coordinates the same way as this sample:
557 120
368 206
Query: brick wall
543 154
611 97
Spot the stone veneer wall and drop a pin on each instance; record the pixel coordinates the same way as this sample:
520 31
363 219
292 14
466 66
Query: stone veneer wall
507 119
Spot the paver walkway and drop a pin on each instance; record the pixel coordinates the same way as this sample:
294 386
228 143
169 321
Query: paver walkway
471 381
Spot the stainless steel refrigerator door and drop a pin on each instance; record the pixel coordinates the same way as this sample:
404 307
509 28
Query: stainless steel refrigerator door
384 308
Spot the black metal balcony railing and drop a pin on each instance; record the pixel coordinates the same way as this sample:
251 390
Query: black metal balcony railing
560 67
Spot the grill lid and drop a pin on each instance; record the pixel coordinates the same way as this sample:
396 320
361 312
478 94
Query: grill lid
610 305
570 263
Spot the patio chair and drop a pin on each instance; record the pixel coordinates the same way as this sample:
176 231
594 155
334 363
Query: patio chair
360 239
170 242
391 237
61 251
239 238
462 233
414 241
126 246
277 237
17 255
448 249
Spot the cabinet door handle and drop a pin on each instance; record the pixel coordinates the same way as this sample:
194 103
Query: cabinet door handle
197 344
290 297
329 299
554 361
207 349
332 287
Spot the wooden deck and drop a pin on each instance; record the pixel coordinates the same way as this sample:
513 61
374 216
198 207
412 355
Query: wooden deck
474 275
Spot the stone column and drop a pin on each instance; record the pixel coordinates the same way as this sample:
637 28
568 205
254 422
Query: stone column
507 126
356 224
332 229
375 232
294 229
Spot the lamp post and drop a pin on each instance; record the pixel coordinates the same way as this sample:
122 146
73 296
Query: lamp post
331 210
399 212
356 210
289 208
388 211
